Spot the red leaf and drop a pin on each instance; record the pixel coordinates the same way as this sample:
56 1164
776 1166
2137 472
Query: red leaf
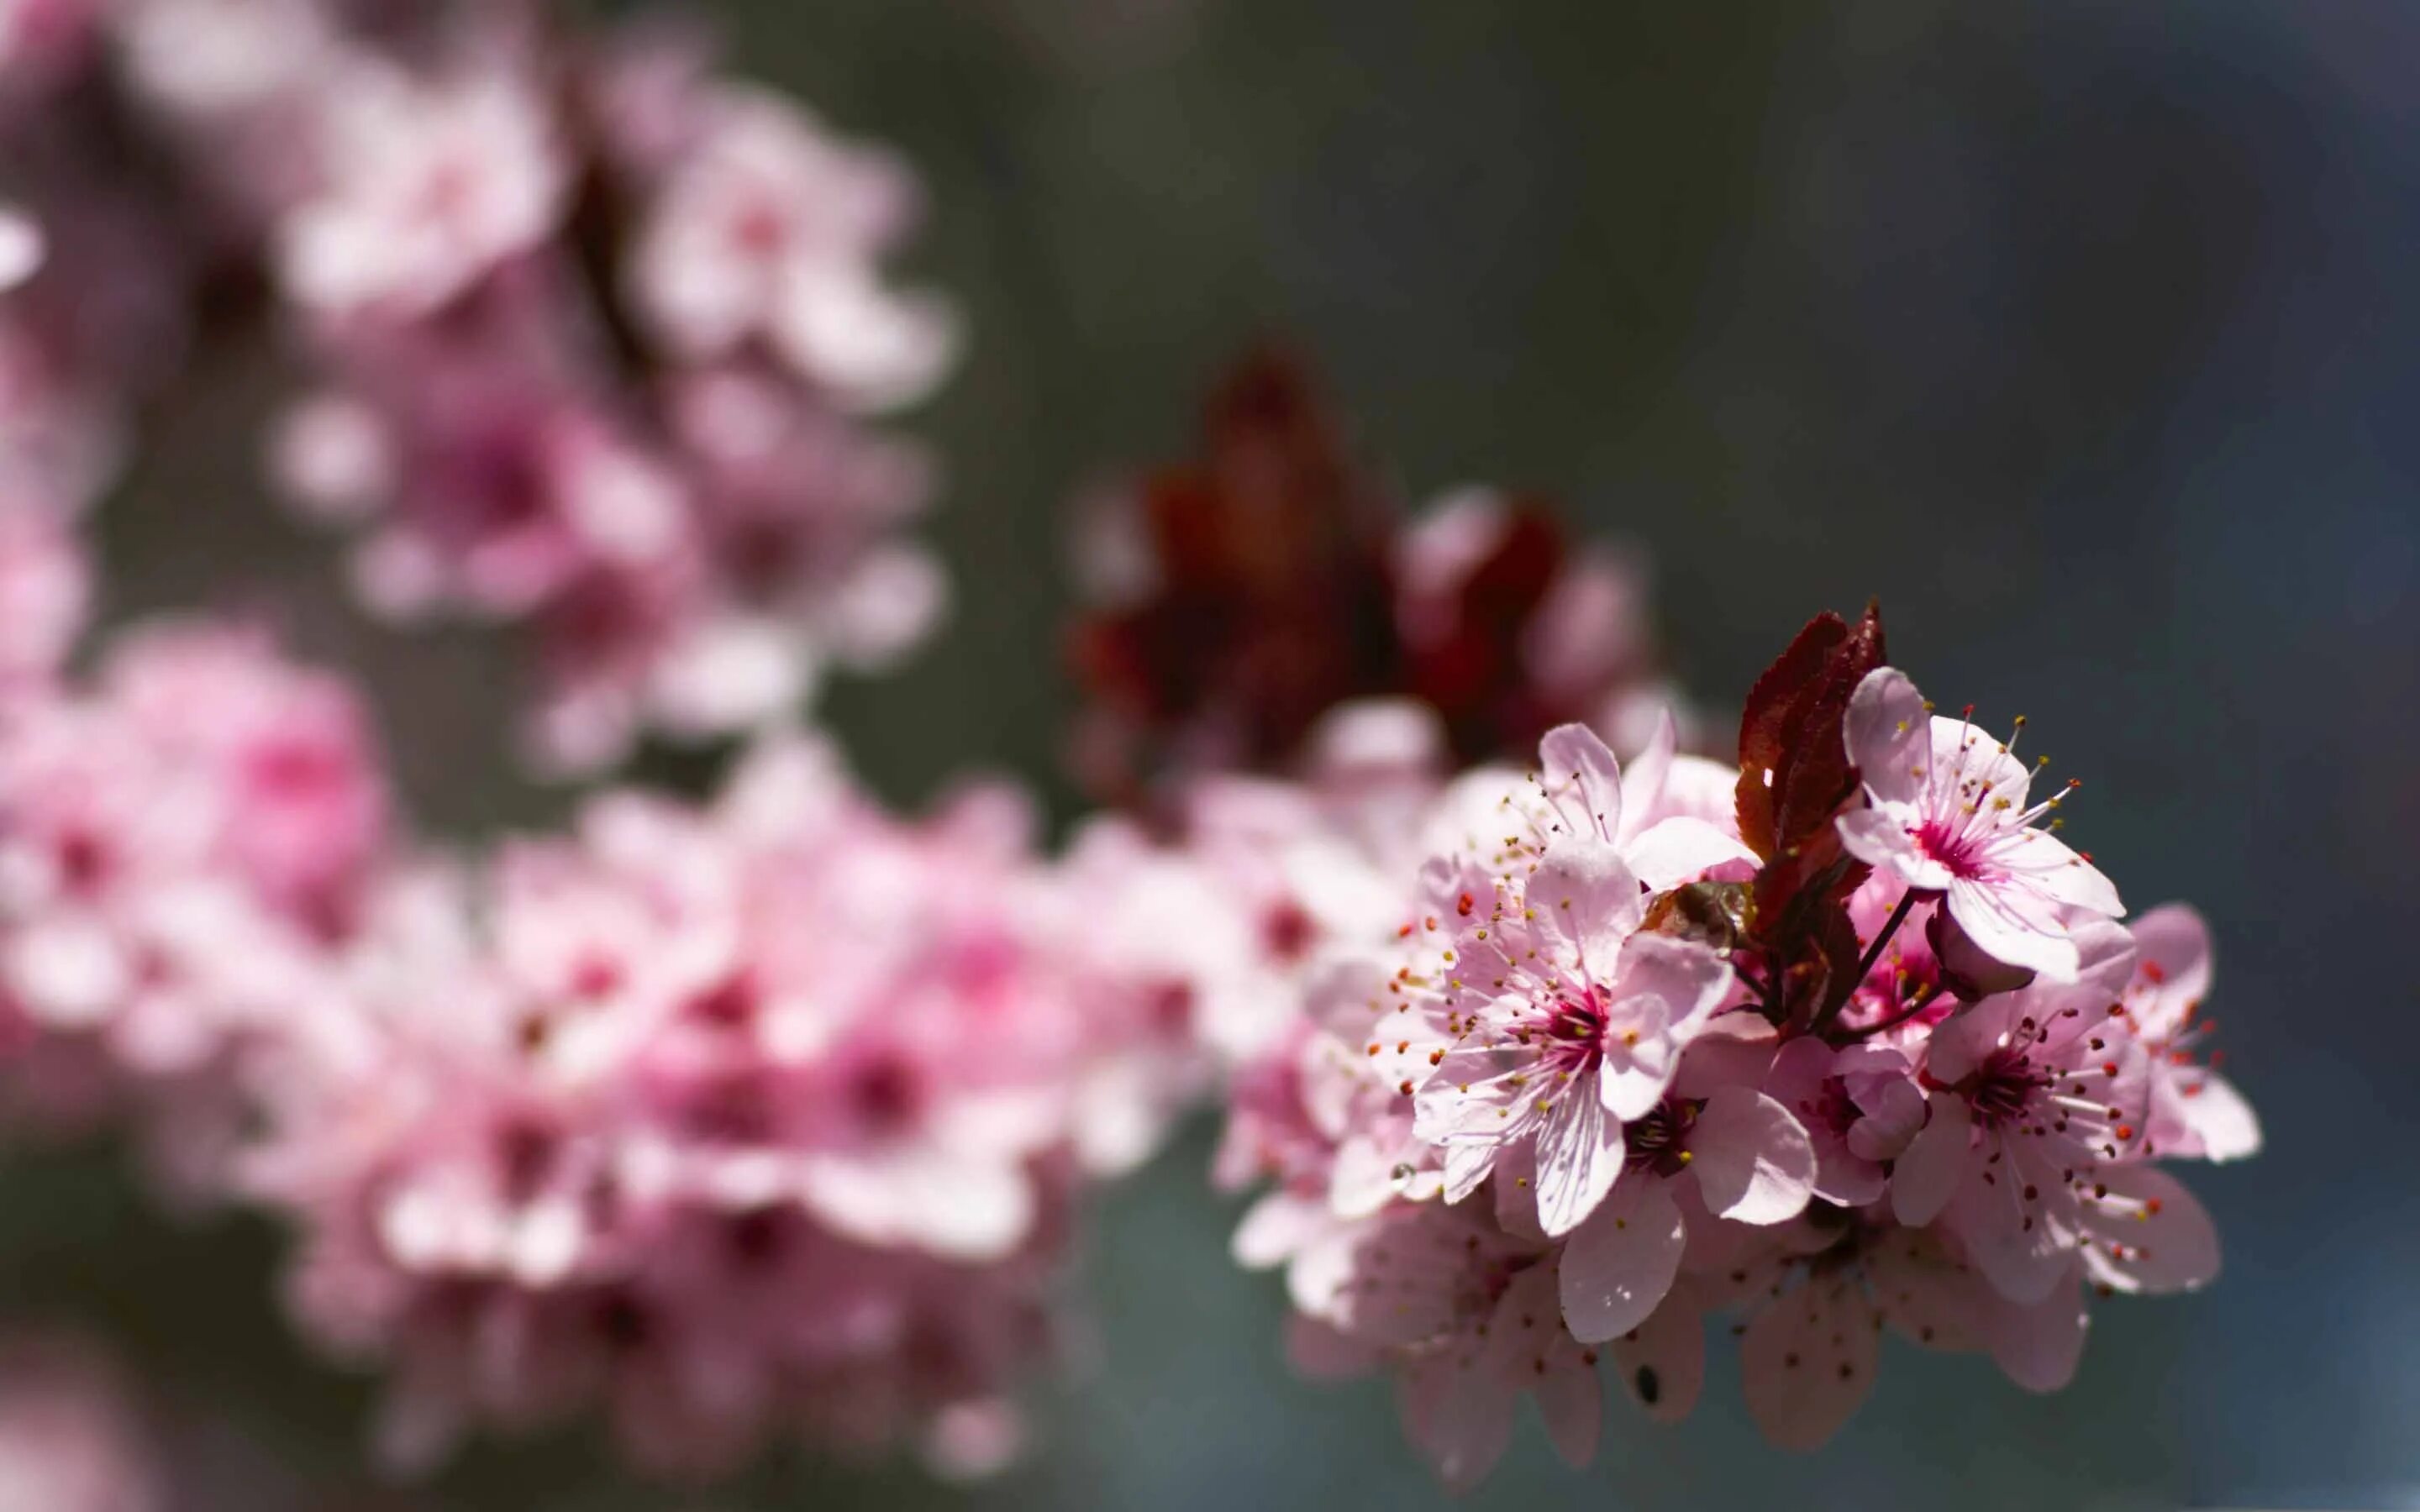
1770 702
1795 771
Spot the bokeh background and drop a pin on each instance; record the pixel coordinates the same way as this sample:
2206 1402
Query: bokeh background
2087 335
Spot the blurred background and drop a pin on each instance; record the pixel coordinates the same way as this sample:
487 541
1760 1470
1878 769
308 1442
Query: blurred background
2083 335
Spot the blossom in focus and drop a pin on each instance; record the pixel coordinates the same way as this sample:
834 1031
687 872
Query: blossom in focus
1671 1059
1946 813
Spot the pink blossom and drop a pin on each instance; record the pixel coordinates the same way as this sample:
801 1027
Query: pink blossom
1476 1312
2034 1093
1860 1106
769 229
2195 1113
72 1435
1946 813
1563 1022
426 186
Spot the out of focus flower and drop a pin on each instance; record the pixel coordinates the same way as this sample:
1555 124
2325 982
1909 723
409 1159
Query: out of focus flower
768 230
721 1122
1238 598
71 1436
426 187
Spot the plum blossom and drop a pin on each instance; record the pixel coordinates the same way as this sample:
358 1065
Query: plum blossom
425 187
1556 1022
1630 1074
2194 1113
720 1121
1946 813
768 228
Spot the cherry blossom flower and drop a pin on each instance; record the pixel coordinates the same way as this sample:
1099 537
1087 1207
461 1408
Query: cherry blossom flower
2034 1093
1946 813
769 227
1629 1074
425 187
2195 1113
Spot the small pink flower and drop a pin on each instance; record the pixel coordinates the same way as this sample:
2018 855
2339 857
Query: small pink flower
2195 1113
769 229
2034 1093
1946 813
426 187
1859 1104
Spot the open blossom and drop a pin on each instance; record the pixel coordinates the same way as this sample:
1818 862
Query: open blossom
181 850
425 187
1651 1058
1948 813
1557 1020
769 229
2195 1113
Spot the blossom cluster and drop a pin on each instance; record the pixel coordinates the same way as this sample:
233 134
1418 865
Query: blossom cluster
1844 1042
718 1122
592 333
770 1116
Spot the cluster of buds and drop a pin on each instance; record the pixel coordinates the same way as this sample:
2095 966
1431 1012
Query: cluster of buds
592 332
1844 1042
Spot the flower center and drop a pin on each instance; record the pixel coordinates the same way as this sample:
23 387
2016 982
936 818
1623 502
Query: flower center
2004 1087
1573 1035
1952 846
1660 1141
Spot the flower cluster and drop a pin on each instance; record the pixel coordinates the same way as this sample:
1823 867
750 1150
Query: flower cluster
184 847
1845 1042
1238 598
763 1117
592 331
766 1116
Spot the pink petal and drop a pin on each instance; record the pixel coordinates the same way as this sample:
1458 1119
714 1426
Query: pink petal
1619 1264
1587 894
1580 1151
1527 1346
2038 1344
1662 1362
1936 1162
2174 943
1753 1160
1679 850
1582 779
1643 779
1888 733
2011 924
1459 1418
1879 837
2150 1235
1806 1361
1319 1352
1275 1227
2221 1120
1894 1113
2054 869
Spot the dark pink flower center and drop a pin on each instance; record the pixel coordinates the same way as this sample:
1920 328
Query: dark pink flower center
1571 1038
2003 1089
1953 847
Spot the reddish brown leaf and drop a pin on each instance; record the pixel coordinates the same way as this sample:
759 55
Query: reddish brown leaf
1795 771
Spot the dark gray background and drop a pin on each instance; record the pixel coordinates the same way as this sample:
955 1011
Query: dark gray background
2084 334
